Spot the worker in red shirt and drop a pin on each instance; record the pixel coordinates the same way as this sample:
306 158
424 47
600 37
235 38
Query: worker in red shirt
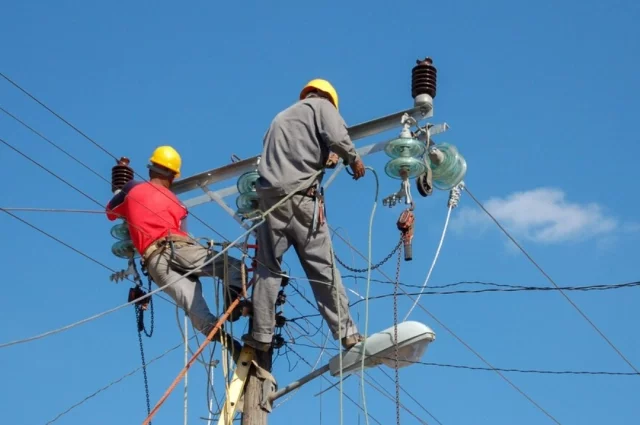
157 224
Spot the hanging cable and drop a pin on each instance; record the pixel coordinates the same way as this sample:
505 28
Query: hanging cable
366 313
507 380
454 197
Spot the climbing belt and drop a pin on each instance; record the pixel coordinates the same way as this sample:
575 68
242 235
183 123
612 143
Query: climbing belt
140 307
377 265
395 334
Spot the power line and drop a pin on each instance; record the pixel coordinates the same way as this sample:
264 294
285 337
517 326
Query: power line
52 210
346 395
111 384
98 145
503 285
420 306
365 373
545 274
501 369
490 290
55 145
106 312
30 128
28 158
73 186
56 114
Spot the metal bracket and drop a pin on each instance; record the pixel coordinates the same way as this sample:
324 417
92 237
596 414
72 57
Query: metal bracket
129 271
269 387
404 193
220 201
236 387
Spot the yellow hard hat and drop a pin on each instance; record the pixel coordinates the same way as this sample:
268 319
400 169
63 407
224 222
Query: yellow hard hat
322 85
167 157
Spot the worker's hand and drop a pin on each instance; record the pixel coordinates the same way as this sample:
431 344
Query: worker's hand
332 161
358 169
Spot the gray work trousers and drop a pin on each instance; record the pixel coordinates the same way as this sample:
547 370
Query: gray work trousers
290 224
166 268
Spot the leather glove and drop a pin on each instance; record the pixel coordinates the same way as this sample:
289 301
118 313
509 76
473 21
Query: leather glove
358 169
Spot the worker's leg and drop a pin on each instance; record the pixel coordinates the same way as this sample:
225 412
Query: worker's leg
186 292
315 251
272 244
190 257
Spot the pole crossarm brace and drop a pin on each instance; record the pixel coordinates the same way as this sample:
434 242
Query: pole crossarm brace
358 131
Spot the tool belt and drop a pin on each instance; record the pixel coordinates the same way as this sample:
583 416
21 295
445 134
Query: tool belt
160 244
319 209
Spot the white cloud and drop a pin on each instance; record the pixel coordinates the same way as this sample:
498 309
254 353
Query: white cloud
541 215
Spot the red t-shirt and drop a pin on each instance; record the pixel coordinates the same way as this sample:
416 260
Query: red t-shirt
151 212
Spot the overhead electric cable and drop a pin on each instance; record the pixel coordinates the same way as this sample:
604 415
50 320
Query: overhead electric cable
98 145
111 384
345 395
514 386
73 186
365 373
490 290
501 369
546 275
142 297
53 210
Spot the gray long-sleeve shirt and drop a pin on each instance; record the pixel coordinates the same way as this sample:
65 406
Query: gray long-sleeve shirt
298 143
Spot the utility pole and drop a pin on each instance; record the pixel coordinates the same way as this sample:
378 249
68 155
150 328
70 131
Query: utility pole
254 393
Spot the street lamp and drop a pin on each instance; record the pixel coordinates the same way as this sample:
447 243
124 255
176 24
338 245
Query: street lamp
379 348
413 340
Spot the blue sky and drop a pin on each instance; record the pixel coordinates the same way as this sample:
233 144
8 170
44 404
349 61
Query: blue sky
541 100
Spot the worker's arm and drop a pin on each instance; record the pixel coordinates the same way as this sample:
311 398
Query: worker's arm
115 208
333 131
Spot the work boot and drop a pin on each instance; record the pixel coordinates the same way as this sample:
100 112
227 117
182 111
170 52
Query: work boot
251 342
349 341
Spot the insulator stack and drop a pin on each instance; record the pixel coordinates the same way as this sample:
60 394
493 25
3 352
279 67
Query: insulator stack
448 166
121 174
406 153
423 79
247 202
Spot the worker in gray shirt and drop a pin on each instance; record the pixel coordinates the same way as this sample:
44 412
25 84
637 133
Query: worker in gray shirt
301 140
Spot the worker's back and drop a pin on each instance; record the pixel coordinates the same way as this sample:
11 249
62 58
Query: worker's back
293 147
152 212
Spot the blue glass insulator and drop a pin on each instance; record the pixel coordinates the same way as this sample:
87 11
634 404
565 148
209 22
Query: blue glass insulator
407 167
124 249
247 202
247 182
121 232
405 147
452 169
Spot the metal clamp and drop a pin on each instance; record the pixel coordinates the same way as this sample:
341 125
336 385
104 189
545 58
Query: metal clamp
404 193
131 270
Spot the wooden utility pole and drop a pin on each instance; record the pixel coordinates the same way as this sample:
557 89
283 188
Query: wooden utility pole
252 413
